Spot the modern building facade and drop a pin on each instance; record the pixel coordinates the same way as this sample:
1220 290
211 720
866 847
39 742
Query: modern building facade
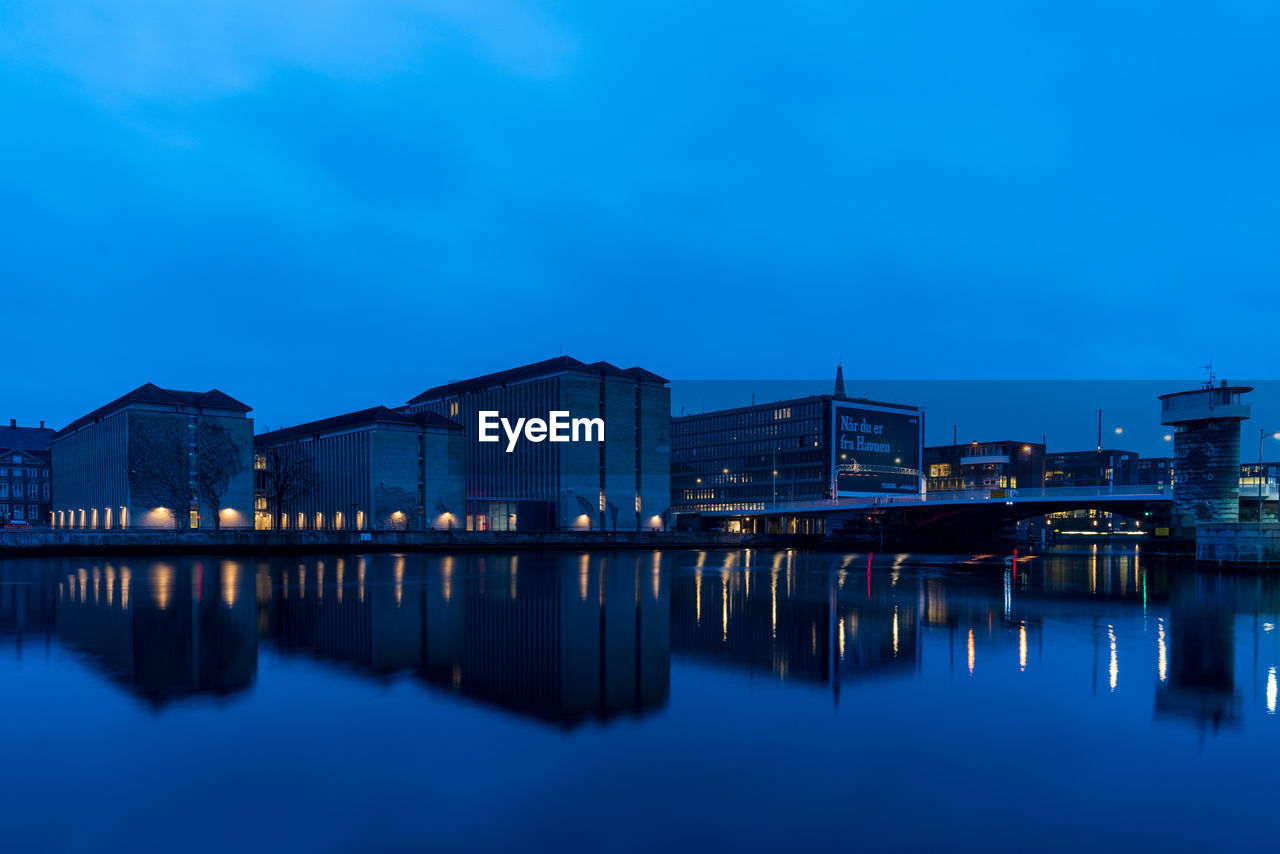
804 449
613 474
1105 467
24 474
373 469
156 458
1004 464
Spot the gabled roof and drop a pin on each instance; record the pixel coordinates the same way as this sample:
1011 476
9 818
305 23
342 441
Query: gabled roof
25 438
547 367
150 393
371 416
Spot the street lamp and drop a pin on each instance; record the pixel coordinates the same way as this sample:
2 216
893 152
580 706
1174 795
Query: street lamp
1262 434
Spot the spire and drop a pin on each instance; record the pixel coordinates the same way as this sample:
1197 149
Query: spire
839 380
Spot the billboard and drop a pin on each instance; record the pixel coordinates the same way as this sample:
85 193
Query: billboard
876 450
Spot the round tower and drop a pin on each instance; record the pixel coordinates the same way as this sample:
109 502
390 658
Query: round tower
1206 451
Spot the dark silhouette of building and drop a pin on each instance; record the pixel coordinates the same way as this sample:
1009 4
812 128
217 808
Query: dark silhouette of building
25 484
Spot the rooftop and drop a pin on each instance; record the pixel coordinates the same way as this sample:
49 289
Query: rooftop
548 367
15 438
154 395
371 416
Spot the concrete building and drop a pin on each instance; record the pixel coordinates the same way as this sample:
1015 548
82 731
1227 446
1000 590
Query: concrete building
24 474
156 458
1206 452
376 468
1003 464
609 468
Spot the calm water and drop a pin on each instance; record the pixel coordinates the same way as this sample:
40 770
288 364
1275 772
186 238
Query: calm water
723 700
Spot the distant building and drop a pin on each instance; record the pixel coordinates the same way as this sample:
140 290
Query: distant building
804 449
620 482
1091 468
1003 464
376 468
156 458
1155 471
24 473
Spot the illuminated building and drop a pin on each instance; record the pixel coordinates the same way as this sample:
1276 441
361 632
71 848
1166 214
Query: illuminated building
804 449
1003 464
373 469
136 462
621 483
24 473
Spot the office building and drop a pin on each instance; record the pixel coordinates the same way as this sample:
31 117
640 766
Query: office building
156 458
373 469
810 448
24 474
613 474
1106 467
1005 464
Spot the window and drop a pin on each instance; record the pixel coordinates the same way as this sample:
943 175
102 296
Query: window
17 511
33 512
17 490
4 489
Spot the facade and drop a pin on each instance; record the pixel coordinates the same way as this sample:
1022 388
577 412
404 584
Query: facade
1156 471
156 458
1092 468
620 480
805 449
373 469
1206 451
1005 464
25 483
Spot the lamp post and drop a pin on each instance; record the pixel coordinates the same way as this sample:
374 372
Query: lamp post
1262 434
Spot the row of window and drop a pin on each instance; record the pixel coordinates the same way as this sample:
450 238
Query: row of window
33 474
34 490
29 512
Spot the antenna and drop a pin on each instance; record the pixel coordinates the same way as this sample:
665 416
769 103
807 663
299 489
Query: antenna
1209 368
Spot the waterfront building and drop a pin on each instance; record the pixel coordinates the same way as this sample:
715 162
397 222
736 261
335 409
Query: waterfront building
24 474
824 446
156 458
372 469
1102 467
1155 471
1004 464
617 476
1206 450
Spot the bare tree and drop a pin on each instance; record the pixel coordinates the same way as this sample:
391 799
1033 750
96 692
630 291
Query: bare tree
218 460
288 477
442 509
389 503
160 463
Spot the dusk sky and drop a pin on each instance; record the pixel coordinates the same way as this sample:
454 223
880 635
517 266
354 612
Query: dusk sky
319 206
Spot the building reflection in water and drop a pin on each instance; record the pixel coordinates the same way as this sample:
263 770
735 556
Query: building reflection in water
793 617
165 630
562 638
568 638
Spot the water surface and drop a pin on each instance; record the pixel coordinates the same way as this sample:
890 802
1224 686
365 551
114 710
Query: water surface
728 700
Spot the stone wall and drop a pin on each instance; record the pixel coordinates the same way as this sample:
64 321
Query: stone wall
1240 543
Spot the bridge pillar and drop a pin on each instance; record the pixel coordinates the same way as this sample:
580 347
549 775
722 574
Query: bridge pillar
1206 450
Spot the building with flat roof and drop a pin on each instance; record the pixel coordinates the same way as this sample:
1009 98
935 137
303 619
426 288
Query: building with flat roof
24 474
376 468
997 464
1099 467
589 446
804 449
156 458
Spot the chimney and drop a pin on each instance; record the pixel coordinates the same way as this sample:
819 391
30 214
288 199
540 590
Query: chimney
41 423
839 392
13 422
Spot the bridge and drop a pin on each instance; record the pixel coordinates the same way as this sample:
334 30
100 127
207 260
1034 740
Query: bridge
946 514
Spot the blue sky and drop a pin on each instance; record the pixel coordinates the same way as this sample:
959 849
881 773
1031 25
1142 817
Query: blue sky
323 205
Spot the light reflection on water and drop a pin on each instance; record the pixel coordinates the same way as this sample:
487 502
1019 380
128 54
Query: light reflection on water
743 674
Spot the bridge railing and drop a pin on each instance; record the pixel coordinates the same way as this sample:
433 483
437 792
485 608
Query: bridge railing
952 496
